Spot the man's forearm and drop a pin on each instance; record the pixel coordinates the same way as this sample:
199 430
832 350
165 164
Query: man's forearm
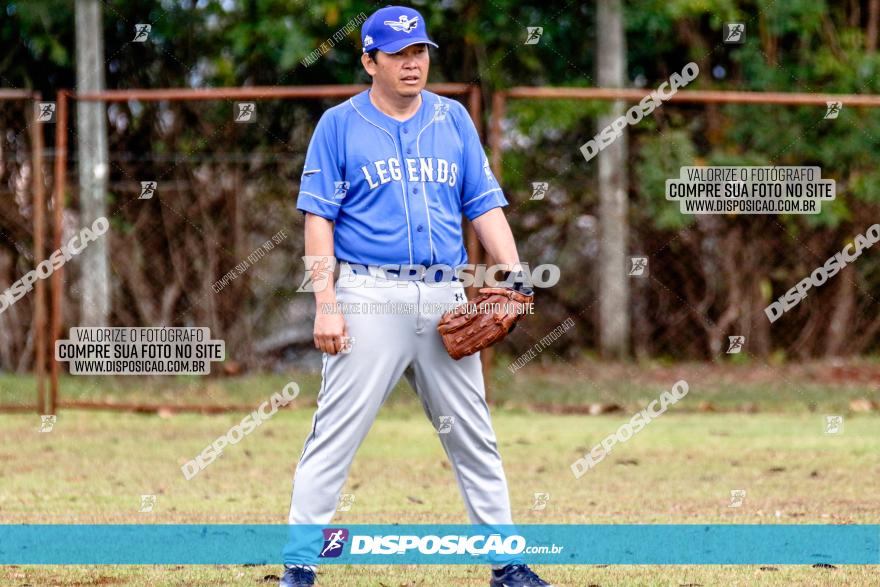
319 248
496 237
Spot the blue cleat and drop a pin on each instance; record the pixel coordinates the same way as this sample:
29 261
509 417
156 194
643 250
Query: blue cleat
517 576
297 576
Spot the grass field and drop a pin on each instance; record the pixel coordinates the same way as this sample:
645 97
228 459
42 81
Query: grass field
94 466
828 386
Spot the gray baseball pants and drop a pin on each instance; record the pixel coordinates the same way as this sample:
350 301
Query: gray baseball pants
356 384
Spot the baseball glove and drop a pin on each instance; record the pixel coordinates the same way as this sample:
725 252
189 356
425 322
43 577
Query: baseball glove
485 320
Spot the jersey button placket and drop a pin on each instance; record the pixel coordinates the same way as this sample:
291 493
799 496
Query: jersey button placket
421 244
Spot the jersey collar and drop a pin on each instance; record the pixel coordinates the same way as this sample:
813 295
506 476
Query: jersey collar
376 116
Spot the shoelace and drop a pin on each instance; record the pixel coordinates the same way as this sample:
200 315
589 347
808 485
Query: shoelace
299 573
524 572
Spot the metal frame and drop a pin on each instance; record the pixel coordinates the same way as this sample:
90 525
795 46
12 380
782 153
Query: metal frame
470 91
500 98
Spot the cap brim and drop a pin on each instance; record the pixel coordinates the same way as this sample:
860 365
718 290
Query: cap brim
404 43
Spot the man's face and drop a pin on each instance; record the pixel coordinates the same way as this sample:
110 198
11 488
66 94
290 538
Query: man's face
404 73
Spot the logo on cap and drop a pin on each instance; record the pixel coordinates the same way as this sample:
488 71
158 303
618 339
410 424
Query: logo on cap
403 24
368 40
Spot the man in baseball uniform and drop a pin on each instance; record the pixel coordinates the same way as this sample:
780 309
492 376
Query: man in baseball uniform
387 177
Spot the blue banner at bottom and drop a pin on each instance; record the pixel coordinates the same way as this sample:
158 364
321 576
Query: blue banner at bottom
683 544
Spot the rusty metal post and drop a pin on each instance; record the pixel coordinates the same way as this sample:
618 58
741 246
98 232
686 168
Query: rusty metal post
252 92
472 243
697 96
474 249
58 203
498 105
39 200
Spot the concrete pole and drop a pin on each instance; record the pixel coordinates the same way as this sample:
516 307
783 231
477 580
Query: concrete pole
91 128
614 317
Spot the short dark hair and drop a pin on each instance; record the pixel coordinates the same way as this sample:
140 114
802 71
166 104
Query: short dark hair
373 52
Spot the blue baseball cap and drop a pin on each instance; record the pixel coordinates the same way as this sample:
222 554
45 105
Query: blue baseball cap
393 28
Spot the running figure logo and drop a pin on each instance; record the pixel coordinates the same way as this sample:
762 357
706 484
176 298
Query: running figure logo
340 188
141 32
47 422
736 344
486 169
148 188
148 502
347 344
833 424
534 33
446 423
346 500
734 33
45 111
833 110
334 541
539 188
639 264
440 112
245 112
318 271
737 496
541 500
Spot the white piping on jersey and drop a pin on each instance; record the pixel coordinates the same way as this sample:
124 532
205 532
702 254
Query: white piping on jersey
311 171
424 192
319 198
487 192
403 189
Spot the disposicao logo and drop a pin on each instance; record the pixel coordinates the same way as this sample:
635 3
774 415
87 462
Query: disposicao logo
334 542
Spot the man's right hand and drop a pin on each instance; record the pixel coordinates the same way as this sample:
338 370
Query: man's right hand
330 328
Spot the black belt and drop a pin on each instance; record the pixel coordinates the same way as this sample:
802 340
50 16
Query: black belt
406 273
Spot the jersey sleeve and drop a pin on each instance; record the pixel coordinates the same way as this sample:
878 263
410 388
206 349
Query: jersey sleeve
322 185
480 191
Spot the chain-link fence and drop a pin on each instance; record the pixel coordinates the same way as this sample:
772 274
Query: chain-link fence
22 209
696 280
204 231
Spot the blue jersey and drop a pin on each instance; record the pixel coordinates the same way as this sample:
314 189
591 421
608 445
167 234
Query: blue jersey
397 190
